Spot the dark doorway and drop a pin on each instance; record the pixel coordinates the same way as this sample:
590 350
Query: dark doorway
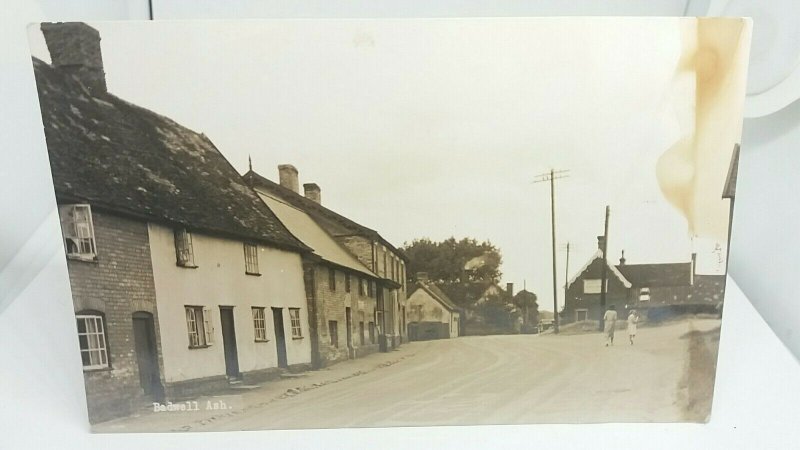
280 336
348 316
144 340
229 342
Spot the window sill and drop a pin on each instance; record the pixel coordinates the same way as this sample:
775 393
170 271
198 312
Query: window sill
186 266
89 259
254 274
97 369
261 341
297 338
195 347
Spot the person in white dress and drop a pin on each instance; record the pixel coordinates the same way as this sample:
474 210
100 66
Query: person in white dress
633 320
610 324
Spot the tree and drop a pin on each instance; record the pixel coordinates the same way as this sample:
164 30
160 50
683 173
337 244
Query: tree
453 261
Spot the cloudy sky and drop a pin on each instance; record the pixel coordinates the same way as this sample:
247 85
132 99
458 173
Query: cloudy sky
438 128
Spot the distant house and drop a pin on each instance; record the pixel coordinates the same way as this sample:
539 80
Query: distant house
367 245
183 280
431 314
659 289
342 309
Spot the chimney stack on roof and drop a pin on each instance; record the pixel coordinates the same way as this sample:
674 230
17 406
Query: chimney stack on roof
622 259
601 240
422 277
75 48
313 192
510 289
287 174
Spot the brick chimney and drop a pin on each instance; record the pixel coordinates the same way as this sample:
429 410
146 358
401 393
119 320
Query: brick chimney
622 259
287 174
510 289
75 48
693 269
313 192
601 240
422 277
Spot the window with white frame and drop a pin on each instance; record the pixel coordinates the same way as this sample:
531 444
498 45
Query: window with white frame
294 317
644 294
183 248
259 324
199 326
251 259
92 340
78 229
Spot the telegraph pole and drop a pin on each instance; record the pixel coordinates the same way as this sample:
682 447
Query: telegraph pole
604 276
551 177
566 275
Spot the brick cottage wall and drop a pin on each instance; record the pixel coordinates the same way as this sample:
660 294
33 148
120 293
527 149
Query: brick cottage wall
117 284
331 306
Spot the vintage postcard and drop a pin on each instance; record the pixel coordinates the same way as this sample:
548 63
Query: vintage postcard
524 220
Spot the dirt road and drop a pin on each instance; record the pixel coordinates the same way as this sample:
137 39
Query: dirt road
469 380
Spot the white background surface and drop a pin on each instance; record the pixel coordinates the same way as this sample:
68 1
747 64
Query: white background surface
41 385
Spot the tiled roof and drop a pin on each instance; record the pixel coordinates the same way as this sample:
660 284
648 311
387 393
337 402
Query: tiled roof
333 222
466 294
436 294
124 158
310 233
655 275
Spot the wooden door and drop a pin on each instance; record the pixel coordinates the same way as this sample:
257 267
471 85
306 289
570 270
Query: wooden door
280 336
144 340
229 342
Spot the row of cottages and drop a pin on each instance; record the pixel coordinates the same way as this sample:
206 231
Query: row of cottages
379 298
183 278
657 289
431 313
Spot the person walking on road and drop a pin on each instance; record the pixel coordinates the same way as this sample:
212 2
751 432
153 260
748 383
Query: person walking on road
610 322
633 319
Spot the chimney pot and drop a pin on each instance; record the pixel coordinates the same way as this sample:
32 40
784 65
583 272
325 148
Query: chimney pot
75 48
287 175
313 192
622 259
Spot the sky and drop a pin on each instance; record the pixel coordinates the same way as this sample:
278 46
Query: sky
438 128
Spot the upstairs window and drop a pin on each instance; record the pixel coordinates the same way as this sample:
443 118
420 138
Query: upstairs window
251 259
92 340
76 224
347 282
198 323
644 294
332 279
362 287
183 248
370 288
294 317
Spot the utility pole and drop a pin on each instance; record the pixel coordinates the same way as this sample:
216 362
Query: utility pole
604 276
551 177
566 275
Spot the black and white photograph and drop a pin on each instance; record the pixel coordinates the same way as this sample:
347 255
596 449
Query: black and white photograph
304 224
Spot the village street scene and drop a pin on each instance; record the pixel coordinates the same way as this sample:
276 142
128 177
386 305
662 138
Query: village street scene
212 298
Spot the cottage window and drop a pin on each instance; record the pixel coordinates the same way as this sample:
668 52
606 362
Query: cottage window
644 294
333 331
78 230
198 324
92 340
259 324
251 259
183 248
294 316
347 282
362 287
332 279
371 289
